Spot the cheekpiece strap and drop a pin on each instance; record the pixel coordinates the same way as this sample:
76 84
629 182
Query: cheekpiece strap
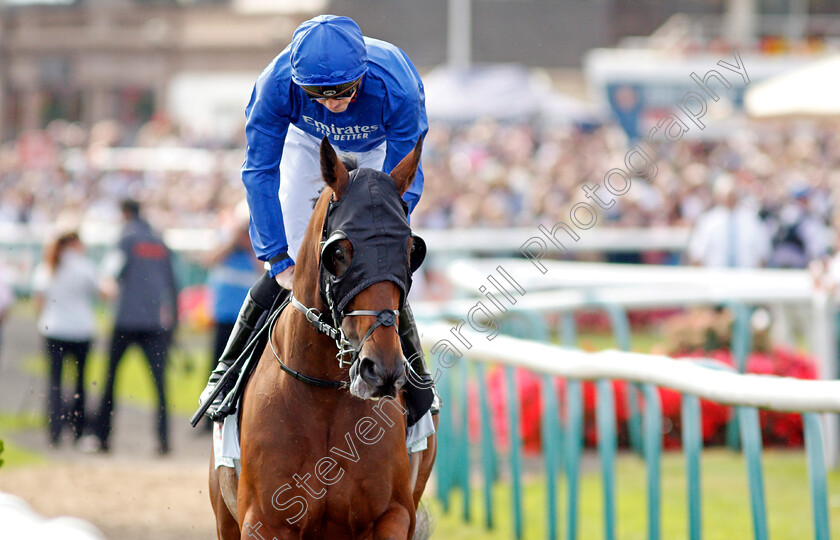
315 318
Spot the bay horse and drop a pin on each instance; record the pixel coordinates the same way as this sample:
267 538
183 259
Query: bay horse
318 461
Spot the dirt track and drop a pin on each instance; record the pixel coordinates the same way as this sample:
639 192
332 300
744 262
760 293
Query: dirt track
126 501
130 494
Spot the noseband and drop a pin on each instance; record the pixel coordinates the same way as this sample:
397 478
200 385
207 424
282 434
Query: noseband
384 317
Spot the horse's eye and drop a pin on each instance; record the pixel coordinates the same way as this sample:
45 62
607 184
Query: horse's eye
338 255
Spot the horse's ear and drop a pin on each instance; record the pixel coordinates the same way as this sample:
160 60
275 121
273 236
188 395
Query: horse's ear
333 170
403 173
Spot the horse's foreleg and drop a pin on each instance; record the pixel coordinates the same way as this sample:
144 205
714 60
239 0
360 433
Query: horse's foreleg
226 526
395 524
427 461
258 525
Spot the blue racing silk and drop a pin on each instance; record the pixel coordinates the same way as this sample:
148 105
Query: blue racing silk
389 107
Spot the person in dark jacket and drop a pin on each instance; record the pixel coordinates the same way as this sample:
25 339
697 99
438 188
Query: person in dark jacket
146 312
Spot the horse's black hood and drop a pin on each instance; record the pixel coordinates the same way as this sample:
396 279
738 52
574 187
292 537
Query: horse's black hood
374 218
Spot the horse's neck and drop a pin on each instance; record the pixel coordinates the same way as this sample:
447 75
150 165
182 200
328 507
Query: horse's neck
304 348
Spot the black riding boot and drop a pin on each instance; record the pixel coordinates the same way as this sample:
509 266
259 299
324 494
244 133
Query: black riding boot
242 331
420 391
260 299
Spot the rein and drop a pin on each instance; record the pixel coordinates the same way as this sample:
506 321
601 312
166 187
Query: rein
384 317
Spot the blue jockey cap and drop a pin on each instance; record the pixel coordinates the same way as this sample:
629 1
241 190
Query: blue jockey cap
328 50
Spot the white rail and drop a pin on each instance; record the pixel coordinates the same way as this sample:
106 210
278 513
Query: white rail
764 391
600 239
469 274
637 286
670 296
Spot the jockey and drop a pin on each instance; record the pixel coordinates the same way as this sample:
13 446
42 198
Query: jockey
367 98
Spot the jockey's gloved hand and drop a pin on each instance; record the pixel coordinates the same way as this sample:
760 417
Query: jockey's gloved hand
285 278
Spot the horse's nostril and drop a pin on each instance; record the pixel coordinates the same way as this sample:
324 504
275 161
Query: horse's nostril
400 376
368 371
400 381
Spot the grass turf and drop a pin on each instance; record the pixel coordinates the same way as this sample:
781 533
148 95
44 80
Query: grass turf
10 454
726 506
186 375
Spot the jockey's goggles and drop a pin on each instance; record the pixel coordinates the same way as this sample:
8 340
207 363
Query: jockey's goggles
338 91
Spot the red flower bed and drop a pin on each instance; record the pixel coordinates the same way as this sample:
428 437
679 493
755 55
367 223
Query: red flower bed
777 428
598 321
529 388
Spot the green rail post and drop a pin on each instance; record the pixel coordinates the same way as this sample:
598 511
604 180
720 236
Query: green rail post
742 338
816 474
515 458
620 324
526 325
572 435
751 441
653 453
445 440
573 440
692 441
551 451
488 452
463 458
568 330
741 347
607 449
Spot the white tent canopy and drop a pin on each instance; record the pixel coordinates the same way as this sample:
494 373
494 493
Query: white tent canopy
501 92
807 91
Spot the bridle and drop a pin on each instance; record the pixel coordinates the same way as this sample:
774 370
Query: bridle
384 317
375 260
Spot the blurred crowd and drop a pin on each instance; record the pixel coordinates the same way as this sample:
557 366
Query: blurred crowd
496 175
64 170
484 174
781 179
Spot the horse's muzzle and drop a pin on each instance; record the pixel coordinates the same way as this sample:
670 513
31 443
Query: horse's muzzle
382 382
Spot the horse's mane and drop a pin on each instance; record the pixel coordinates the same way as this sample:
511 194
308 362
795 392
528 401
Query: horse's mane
350 163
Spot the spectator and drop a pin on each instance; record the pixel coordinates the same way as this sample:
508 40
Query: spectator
66 285
799 236
730 235
146 312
